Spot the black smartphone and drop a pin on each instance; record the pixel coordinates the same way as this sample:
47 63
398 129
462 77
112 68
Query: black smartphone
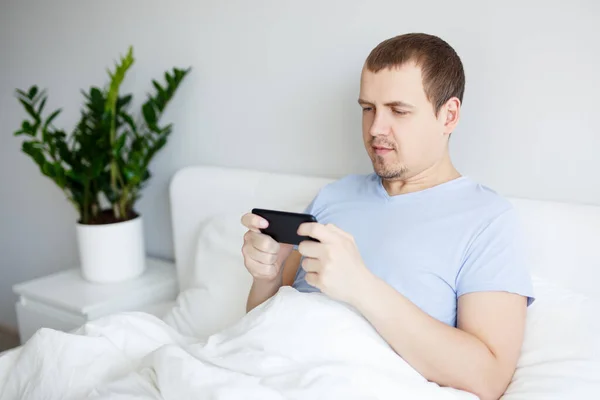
283 225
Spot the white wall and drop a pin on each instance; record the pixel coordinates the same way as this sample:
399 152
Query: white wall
274 86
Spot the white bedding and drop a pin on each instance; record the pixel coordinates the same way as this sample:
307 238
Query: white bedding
296 346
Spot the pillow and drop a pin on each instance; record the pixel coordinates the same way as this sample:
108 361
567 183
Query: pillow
560 358
221 283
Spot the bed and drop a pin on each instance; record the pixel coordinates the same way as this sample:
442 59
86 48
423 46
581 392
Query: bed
205 346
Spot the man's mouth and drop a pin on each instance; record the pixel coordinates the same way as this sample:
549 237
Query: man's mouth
381 150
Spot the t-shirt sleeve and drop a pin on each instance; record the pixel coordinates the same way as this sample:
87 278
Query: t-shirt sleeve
496 261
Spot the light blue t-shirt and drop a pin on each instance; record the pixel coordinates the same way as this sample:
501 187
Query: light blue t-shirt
433 245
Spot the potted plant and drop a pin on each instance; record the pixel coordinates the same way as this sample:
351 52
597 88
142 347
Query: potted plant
102 166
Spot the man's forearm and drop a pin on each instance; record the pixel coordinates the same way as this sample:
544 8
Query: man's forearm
261 291
441 353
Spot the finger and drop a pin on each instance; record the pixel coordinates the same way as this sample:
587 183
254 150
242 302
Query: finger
258 256
263 258
265 243
312 278
318 231
308 248
311 265
254 222
259 271
262 242
339 231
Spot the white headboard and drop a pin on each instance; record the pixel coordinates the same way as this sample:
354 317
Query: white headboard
564 239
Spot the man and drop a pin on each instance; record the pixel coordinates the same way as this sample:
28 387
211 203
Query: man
429 257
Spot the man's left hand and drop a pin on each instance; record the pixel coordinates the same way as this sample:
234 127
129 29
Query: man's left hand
333 265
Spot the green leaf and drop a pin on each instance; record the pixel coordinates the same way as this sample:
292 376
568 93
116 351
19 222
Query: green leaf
29 108
131 175
160 143
41 107
74 175
85 94
149 114
136 157
168 78
32 92
160 101
63 151
119 145
97 99
50 119
48 169
97 168
166 131
33 149
26 129
158 88
60 135
129 121
124 101
59 174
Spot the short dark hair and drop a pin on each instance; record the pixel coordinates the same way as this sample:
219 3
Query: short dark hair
441 67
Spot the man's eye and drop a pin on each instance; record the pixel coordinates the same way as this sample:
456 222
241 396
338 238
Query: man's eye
367 109
399 112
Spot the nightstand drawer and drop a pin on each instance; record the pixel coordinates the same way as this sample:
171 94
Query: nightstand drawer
32 316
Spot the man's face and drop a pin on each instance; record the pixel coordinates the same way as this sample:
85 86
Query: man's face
401 132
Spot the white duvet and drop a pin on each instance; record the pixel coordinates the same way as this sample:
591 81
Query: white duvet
295 346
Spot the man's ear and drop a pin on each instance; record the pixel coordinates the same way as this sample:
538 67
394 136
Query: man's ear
451 115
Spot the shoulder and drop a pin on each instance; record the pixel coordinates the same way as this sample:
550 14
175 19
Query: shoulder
486 216
487 204
495 219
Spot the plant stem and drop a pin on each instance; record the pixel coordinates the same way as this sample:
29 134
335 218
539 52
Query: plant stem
113 162
123 202
86 200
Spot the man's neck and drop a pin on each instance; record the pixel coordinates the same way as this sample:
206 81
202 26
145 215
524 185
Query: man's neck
438 173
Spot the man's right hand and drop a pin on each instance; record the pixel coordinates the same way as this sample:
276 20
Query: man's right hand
263 256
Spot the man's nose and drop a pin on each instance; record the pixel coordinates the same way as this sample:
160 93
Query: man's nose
380 126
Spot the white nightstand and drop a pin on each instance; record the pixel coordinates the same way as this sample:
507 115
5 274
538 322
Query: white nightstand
65 301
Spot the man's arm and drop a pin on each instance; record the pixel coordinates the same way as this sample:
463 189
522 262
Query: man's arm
479 356
263 289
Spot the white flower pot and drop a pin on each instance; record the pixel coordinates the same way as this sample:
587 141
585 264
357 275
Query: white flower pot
111 252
